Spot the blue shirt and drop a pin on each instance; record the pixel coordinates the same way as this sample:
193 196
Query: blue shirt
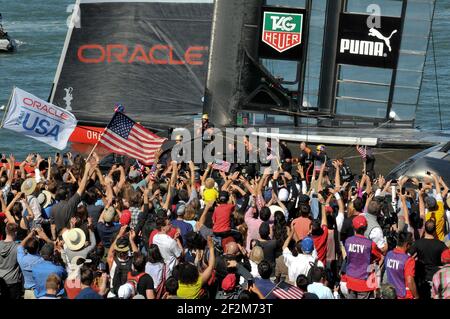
265 286
323 292
41 271
184 228
88 293
27 262
106 232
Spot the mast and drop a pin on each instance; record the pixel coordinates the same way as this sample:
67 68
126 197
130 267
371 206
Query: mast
235 30
330 43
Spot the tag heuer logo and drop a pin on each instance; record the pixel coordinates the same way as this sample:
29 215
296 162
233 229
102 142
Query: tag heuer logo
282 31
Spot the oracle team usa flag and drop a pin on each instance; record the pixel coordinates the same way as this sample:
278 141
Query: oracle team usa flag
38 119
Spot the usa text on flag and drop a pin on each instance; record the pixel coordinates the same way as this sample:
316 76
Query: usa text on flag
126 137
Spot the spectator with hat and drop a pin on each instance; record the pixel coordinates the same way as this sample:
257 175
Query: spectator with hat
441 279
28 188
75 243
106 227
361 253
179 222
300 264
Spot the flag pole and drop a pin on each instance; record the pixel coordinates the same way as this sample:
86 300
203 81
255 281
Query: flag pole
365 160
7 107
101 135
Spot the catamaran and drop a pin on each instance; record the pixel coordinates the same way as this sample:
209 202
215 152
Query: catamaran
339 72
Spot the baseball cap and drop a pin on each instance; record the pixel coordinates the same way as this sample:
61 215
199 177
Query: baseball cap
445 256
125 219
229 282
181 207
359 221
307 245
126 291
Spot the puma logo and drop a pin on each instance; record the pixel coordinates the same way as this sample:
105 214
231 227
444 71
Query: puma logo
375 33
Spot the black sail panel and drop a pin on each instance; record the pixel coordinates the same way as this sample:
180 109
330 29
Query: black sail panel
150 56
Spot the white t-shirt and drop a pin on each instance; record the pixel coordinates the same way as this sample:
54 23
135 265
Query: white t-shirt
169 249
155 271
254 272
298 265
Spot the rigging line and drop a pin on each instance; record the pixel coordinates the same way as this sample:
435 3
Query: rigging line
436 78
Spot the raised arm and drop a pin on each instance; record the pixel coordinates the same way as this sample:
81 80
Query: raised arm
444 185
437 185
206 173
206 274
337 176
84 180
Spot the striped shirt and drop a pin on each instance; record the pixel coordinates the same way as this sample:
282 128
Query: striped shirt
441 283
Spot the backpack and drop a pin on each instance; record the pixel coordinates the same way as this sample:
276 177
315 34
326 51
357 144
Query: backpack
134 280
310 271
161 289
120 273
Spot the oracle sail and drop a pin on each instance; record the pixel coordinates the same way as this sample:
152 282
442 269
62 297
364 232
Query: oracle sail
149 55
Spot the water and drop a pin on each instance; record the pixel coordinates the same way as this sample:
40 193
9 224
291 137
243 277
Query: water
40 26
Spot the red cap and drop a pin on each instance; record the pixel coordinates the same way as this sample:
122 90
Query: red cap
227 240
125 219
445 256
229 282
359 221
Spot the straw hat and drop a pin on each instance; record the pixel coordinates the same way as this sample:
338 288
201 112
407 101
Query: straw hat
109 214
45 199
28 186
74 238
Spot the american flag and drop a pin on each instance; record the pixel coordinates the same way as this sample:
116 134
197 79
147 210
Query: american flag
362 151
126 137
287 291
223 166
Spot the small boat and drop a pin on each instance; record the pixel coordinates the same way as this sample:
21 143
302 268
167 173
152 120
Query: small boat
6 43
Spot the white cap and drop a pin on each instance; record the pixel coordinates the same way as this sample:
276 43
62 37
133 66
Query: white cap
126 291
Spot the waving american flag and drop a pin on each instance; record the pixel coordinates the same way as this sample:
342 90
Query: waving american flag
126 137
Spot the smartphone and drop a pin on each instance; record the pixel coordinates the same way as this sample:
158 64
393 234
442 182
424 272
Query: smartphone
403 190
428 173
420 185
249 283
394 181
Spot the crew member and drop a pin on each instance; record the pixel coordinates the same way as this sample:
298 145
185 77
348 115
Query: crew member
361 253
400 268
